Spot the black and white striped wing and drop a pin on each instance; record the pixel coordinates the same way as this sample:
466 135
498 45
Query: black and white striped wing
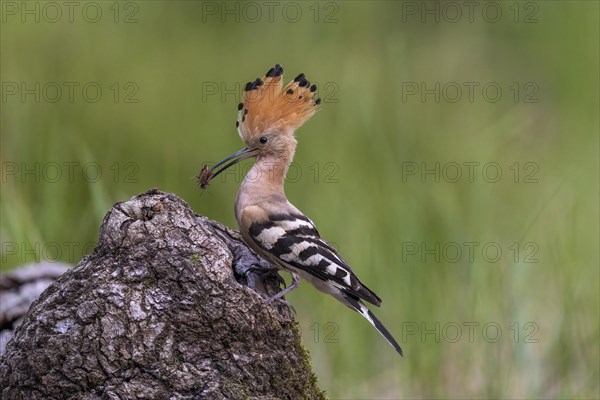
294 240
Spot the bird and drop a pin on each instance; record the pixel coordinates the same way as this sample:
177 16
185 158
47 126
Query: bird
270 225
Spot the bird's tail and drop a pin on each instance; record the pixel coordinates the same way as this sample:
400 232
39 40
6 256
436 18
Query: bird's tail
354 303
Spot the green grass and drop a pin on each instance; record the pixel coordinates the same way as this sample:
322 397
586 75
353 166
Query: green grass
352 181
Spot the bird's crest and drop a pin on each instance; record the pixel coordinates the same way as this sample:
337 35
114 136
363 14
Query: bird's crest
267 107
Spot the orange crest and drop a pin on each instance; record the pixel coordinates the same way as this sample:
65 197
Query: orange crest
268 108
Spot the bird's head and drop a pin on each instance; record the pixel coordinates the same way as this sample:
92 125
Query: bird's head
268 116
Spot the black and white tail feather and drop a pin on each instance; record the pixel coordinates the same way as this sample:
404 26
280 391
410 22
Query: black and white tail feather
355 304
292 242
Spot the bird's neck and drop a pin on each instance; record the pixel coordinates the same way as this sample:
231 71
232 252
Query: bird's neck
267 174
263 183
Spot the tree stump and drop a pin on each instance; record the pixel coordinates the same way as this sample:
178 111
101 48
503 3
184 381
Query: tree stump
170 305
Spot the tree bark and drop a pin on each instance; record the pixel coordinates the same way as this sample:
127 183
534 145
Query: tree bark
170 305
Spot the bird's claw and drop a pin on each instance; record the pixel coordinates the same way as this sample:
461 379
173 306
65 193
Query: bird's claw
268 272
273 299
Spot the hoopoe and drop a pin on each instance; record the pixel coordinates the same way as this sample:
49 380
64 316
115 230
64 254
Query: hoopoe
269 224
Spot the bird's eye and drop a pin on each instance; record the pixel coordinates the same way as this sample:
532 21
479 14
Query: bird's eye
263 140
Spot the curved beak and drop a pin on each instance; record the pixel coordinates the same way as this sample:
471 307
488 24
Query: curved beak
233 159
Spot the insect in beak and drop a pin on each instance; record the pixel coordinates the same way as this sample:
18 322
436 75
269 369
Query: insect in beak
207 174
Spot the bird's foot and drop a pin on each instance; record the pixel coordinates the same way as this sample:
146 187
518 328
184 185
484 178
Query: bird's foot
266 272
273 299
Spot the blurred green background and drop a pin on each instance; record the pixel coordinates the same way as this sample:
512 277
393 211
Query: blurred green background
490 282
